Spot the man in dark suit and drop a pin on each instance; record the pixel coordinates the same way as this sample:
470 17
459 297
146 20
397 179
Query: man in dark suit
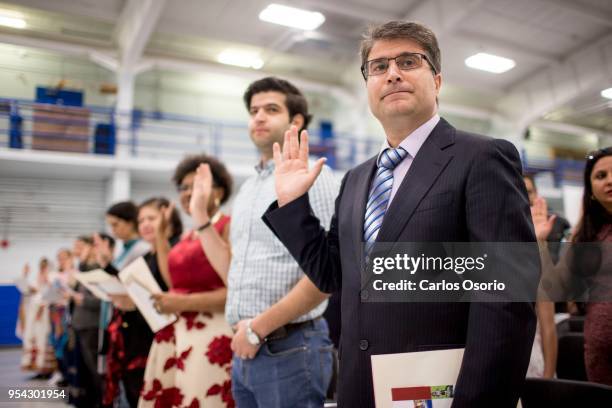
430 183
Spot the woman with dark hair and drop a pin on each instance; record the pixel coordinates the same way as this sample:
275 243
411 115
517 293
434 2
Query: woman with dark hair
130 335
189 360
122 218
586 269
123 325
85 323
152 217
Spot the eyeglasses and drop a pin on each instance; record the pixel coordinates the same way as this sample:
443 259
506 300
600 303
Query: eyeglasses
406 62
597 154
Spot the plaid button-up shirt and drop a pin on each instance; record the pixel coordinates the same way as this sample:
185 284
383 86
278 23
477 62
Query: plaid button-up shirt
262 271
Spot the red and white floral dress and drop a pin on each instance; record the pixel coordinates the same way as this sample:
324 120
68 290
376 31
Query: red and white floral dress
189 362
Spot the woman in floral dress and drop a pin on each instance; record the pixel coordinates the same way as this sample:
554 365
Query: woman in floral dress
190 360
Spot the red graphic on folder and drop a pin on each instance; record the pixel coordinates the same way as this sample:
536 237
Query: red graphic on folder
437 396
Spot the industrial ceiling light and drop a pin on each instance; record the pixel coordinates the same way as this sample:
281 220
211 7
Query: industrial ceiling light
490 63
607 93
244 59
292 17
9 18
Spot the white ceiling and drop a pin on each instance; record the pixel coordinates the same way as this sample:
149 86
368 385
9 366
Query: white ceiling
544 37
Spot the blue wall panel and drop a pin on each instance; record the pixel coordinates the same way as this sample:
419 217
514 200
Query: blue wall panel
9 305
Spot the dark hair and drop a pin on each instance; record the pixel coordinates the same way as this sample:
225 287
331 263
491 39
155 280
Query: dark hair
416 32
221 177
294 99
86 239
107 238
594 215
175 218
43 263
125 210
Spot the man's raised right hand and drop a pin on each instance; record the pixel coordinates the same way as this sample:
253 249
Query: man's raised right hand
292 176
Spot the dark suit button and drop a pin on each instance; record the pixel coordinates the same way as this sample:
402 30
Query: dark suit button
363 345
364 294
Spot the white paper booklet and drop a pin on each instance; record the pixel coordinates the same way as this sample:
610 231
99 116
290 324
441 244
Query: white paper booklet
423 379
140 285
101 284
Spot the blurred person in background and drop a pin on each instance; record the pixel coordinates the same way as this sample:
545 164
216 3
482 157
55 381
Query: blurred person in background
123 373
62 282
130 335
83 251
561 227
160 225
561 231
26 291
595 226
85 310
122 218
543 360
38 353
190 359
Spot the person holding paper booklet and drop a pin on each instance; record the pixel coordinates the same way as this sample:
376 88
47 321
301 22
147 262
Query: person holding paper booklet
189 360
125 360
159 224
85 322
430 183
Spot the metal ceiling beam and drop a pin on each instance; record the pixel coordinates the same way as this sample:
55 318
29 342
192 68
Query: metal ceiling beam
585 71
136 24
105 57
578 8
568 128
444 17
184 65
352 10
467 111
105 60
50 45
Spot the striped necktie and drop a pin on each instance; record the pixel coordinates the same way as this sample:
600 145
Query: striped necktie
380 192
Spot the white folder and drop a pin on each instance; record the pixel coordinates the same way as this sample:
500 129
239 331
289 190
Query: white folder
101 284
421 379
140 285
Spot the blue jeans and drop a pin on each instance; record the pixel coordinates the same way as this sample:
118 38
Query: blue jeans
292 372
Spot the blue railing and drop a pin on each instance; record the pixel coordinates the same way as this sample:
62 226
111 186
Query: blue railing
151 134
565 171
101 130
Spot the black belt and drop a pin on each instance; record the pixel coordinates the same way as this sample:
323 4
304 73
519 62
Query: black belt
287 329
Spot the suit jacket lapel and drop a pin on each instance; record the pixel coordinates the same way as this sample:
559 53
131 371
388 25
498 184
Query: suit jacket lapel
364 178
425 169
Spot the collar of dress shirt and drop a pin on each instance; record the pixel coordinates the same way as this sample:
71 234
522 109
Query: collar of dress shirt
266 167
413 142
